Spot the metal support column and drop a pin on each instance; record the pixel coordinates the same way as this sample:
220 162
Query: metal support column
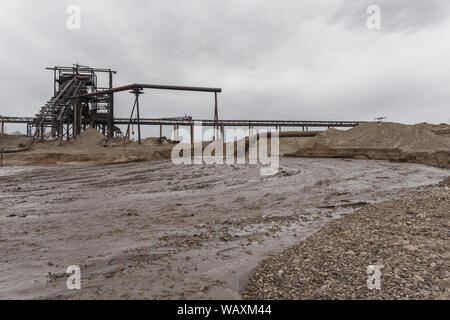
54 82
76 128
138 118
75 118
137 92
111 108
127 135
176 133
61 132
216 117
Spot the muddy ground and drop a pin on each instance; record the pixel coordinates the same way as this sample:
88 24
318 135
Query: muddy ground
153 230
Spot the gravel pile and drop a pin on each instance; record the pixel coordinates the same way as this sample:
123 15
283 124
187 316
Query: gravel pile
13 142
91 137
408 236
419 137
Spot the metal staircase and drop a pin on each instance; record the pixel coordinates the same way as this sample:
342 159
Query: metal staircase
53 111
65 114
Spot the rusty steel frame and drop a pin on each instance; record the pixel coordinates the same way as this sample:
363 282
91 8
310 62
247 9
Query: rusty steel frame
65 114
137 89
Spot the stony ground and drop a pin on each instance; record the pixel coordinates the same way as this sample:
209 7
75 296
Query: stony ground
408 236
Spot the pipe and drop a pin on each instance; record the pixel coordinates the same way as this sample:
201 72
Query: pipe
148 86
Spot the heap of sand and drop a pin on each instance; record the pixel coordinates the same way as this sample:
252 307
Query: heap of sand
422 143
90 148
91 138
11 143
419 137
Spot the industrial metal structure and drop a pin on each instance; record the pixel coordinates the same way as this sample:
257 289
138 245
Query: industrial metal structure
65 115
137 90
78 103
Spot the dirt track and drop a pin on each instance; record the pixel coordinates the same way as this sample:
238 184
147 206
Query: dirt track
155 230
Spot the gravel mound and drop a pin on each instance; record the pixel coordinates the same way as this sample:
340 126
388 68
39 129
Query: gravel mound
419 137
408 236
14 142
91 137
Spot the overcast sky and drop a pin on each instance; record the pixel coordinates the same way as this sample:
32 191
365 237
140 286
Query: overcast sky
303 60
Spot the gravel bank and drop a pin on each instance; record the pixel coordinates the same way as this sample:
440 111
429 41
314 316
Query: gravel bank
407 235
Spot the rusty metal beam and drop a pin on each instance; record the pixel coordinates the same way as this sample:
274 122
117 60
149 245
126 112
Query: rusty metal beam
148 86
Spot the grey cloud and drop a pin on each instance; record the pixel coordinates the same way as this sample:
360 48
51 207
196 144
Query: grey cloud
396 15
289 59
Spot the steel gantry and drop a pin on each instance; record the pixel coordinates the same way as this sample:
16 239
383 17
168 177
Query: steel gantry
79 102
